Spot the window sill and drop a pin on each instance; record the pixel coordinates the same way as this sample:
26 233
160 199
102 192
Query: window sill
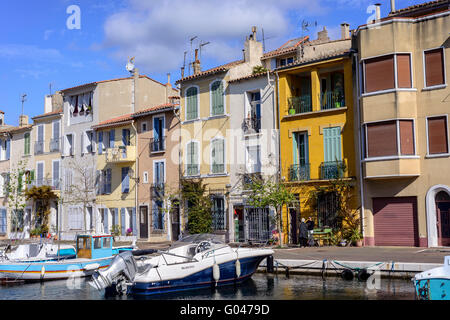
192 177
289 116
437 87
440 155
224 174
157 152
368 94
213 117
190 121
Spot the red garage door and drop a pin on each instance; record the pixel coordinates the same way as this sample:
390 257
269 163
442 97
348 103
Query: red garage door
395 221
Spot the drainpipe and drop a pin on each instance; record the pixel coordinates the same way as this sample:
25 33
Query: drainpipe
179 163
279 155
361 183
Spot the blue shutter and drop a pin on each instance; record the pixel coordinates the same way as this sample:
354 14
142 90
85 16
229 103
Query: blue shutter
295 147
108 180
125 180
154 216
111 138
122 221
332 144
156 129
116 216
100 142
133 220
8 149
3 221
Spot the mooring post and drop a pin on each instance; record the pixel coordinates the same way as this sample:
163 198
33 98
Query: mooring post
269 264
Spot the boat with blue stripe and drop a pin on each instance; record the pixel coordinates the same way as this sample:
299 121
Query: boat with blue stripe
195 262
93 252
434 284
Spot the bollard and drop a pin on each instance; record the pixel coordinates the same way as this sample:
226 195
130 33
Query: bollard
269 263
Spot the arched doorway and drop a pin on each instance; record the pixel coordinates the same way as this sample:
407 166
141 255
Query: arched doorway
438 216
443 218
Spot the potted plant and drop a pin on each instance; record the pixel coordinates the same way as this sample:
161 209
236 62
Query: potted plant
115 231
355 237
129 232
35 233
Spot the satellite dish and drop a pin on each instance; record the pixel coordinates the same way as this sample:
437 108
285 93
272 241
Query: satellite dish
130 65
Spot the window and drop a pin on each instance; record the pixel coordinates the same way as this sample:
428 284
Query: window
40 173
126 137
434 67
55 142
390 138
253 159
101 145
106 181
56 183
3 223
76 222
81 105
158 215
68 146
217 98
159 172
437 135
27 146
112 134
125 180
218 213
107 242
218 156
387 72
253 120
88 142
145 178
5 149
158 143
192 167
68 179
191 103
144 127
97 243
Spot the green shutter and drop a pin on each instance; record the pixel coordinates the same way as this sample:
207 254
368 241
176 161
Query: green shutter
332 144
295 147
191 103
27 144
217 98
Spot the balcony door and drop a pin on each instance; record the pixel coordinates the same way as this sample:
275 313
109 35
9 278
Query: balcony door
300 168
332 144
158 133
143 222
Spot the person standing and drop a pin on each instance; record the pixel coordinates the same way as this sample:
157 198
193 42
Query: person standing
310 226
303 233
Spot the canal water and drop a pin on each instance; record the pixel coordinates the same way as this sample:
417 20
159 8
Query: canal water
260 287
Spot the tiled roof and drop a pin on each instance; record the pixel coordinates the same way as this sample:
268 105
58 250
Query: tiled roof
222 68
114 121
411 10
58 111
328 55
252 76
117 79
10 129
288 47
160 107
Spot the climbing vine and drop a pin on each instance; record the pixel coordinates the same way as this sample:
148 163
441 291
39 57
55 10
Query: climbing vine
42 197
199 206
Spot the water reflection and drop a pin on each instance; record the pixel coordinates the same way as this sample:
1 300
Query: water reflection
261 286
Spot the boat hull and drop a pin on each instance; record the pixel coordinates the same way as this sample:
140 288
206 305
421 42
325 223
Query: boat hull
53 270
433 289
201 279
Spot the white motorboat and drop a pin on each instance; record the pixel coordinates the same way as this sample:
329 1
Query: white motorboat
37 252
197 261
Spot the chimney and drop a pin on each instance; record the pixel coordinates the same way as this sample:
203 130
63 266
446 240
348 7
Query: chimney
168 79
48 104
168 88
345 31
323 35
196 63
392 5
253 49
377 11
2 118
23 120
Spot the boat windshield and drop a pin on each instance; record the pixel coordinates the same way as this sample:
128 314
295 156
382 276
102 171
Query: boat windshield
196 239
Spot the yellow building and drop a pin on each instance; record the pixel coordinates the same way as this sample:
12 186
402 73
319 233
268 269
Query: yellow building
116 171
316 129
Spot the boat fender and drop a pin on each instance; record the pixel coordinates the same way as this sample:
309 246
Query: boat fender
91 267
42 272
216 272
238 268
363 275
347 274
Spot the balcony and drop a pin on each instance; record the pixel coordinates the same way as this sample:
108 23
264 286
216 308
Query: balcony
250 178
332 170
251 125
331 100
158 145
55 184
301 104
39 147
121 154
192 170
392 168
299 172
157 190
55 145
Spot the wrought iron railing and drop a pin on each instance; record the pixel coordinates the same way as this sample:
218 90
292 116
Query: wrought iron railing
299 172
301 104
158 145
252 125
331 100
55 145
332 170
39 147
157 190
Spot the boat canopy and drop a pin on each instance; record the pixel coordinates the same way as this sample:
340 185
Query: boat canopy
198 238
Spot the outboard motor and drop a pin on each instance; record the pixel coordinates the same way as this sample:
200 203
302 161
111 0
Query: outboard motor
123 268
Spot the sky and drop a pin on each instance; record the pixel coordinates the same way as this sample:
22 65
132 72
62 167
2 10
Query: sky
46 45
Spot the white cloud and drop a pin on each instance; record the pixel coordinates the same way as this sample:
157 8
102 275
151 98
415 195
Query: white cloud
29 52
157 32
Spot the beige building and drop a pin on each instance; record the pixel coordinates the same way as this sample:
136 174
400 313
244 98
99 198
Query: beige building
402 73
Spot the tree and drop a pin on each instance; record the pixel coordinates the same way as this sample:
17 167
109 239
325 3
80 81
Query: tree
14 188
41 196
270 193
199 204
81 182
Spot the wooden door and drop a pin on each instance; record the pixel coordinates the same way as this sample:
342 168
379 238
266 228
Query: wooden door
143 222
443 220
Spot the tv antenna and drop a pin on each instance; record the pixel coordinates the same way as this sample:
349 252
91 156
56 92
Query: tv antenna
305 27
50 87
130 66
24 98
190 53
202 44
264 38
